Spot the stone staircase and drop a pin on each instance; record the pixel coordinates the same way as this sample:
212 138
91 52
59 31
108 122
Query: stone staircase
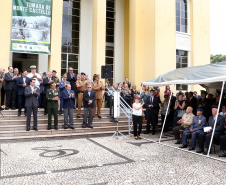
13 127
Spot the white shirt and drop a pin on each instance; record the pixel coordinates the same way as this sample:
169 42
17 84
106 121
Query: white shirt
137 112
37 83
89 93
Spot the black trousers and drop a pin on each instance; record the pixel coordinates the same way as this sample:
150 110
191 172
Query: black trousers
21 103
152 118
176 131
2 96
137 120
45 103
35 112
207 137
10 98
167 124
223 142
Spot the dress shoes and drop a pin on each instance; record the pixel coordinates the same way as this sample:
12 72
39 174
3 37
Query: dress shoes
65 127
178 142
191 148
45 113
7 108
83 126
90 126
99 117
78 117
19 114
13 108
72 128
25 113
153 133
146 132
200 151
222 155
27 129
48 128
183 146
205 153
56 128
35 129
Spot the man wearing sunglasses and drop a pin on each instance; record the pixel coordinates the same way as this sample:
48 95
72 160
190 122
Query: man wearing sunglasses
89 97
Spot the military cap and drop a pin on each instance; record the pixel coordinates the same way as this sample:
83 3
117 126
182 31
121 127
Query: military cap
214 107
200 109
64 75
54 71
53 84
33 67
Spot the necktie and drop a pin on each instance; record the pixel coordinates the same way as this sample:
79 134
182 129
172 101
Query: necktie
24 80
49 79
11 74
151 100
68 92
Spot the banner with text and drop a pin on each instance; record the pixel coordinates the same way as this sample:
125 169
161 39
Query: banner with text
31 26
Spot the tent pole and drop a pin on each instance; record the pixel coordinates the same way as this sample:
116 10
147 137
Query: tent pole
214 127
166 113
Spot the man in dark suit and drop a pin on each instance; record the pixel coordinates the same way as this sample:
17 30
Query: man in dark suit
72 78
152 108
207 135
46 82
22 82
69 98
32 93
196 128
10 88
89 97
192 102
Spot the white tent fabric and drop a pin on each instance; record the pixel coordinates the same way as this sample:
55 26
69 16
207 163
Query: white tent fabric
205 75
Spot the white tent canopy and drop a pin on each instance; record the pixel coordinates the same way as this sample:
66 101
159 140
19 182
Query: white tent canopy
205 75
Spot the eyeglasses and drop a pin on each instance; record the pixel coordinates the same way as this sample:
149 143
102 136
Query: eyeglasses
88 87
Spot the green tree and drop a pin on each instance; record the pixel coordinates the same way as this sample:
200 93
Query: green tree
217 58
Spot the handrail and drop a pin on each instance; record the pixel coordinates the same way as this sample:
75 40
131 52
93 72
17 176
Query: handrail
124 106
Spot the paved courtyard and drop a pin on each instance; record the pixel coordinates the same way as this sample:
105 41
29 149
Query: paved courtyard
105 160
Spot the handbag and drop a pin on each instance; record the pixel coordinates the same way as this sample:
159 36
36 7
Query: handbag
180 113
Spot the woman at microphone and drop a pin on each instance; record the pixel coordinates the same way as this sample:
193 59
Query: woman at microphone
137 116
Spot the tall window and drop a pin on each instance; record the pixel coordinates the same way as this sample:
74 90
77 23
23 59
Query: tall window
181 62
181 16
110 19
70 35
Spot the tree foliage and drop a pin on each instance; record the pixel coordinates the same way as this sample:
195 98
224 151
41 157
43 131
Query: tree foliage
217 58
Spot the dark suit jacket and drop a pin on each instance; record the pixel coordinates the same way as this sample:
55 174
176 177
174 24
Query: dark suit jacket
72 81
20 83
68 102
219 125
155 103
86 99
193 103
31 99
10 84
46 84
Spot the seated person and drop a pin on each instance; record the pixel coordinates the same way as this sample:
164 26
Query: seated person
197 125
207 135
185 122
223 145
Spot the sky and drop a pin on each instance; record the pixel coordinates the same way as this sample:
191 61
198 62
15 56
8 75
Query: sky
218 27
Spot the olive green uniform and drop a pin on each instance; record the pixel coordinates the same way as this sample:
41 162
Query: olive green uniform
52 106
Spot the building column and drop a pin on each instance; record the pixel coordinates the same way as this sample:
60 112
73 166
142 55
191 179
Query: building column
119 42
43 63
99 35
56 35
86 29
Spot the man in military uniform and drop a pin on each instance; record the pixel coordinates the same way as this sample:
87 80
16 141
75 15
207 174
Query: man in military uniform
52 97
98 86
55 78
81 87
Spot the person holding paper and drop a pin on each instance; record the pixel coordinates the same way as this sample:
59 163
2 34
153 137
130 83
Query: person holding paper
196 128
207 135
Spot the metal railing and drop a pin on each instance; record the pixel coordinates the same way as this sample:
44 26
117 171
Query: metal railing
124 106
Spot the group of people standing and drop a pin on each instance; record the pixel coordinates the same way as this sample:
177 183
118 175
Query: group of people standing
32 90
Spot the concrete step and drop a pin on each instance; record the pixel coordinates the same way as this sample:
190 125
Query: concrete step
87 134
32 133
41 111
13 128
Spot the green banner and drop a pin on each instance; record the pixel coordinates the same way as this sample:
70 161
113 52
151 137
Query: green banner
31 26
